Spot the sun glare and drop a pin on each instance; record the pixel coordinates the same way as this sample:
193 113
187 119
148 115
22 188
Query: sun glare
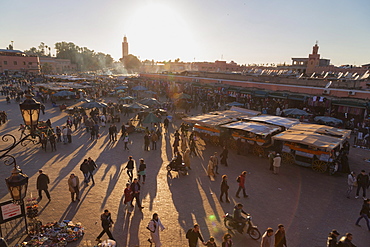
159 31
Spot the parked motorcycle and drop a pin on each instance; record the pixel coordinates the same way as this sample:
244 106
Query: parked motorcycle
251 230
181 169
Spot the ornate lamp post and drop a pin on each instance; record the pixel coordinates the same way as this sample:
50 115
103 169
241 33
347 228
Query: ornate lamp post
17 183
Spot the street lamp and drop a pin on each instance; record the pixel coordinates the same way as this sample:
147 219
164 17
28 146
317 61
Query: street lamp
30 110
17 183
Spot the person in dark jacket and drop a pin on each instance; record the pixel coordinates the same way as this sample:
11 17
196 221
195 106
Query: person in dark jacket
135 188
280 239
346 241
84 167
106 223
42 184
332 239
224 189
362 182
224 155
3 243
92 166
193 235
365 213
130 167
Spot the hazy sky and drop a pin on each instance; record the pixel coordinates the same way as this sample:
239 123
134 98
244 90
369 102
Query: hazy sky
245 31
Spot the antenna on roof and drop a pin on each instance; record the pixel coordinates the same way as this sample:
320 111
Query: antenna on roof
317 42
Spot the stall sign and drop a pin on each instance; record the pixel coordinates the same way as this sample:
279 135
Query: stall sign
10 211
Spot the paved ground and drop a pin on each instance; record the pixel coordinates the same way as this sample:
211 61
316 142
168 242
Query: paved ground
307 203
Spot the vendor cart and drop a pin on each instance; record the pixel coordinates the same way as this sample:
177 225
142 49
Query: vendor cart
311 145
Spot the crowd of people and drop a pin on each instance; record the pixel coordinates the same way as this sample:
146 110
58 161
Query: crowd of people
184 147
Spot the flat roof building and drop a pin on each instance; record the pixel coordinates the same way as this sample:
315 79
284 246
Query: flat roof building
15 61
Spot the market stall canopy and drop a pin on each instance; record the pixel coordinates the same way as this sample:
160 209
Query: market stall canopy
322 129
150 92
235 104
328 120
253 127
120 91
151 118
127 98
309 138
139 88
137 105
121 87
93 104
208 120
150 102
245 111
236 115
275 120
295 112
83 100
179 96
64 93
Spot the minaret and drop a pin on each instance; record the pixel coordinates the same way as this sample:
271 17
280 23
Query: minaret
124 48
313 60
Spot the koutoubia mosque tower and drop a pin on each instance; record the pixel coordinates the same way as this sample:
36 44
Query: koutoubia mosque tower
124 48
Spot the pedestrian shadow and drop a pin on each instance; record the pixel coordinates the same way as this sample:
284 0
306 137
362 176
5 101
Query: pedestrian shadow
113 180
134 227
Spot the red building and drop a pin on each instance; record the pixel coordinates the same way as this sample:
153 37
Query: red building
15 61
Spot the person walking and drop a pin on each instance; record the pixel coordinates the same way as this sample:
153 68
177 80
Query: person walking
241 181
227 241
280 239
193 234
268 238
146 142
187 158
135 188
69 134
154 226
362 183
346 241
106 223
215 162
154 139
128 198
351 180
365 213
224 189
141 171
84 167
111 133
271 157
277 164
126 139
74 187
211 242
210 168
42 185
130 167
332 239
91 167
53 140
224 155
58 132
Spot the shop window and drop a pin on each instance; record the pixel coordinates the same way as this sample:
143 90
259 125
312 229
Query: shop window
24 63
29 63
15 62
5 62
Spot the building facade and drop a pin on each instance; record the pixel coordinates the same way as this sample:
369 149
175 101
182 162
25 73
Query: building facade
51 65
18 62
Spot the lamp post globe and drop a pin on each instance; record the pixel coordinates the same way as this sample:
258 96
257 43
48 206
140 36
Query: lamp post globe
30 110
17 185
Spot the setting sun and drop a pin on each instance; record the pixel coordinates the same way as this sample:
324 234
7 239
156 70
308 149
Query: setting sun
158 28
